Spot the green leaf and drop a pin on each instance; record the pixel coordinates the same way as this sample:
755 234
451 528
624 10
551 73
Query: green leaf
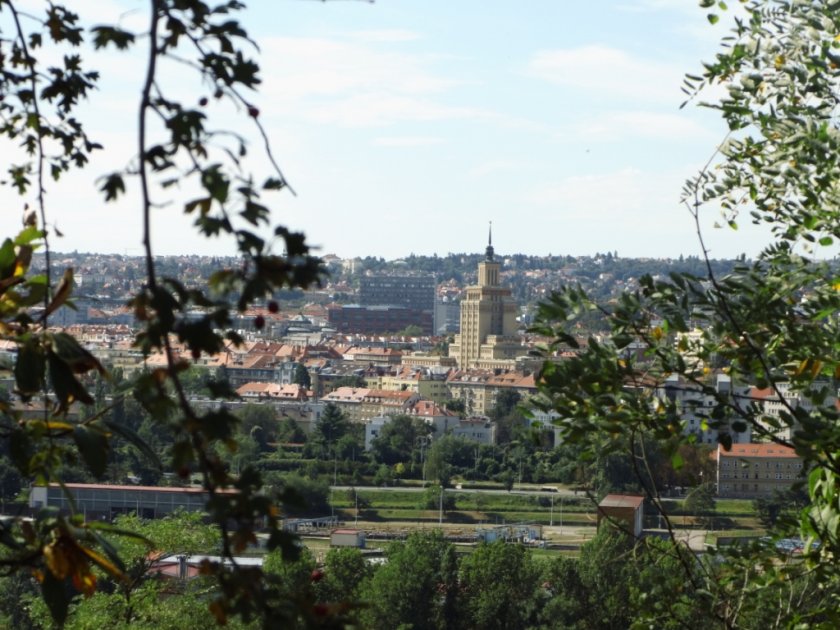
104 35
113 186
713 19
29 234
93 447
128 434
68 349
272 183
65 385
7 258
30 369
20 449
677 461
56 594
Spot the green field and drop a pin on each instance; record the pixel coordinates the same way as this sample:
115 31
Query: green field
381 506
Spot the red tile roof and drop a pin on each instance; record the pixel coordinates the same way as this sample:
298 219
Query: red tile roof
758 450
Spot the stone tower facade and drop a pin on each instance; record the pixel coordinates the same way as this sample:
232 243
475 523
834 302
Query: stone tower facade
488 321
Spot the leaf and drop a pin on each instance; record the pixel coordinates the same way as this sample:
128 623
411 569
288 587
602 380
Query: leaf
102 561
104 35
30 368
272 183
713 19
117 531
68 349
62 292
20 450
56 597
113 186
128 434
677 461
93 447
66 387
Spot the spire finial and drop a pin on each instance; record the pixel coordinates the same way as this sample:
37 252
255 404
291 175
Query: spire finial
488 254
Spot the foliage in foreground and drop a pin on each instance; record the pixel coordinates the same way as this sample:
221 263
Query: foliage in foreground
771 324
44 79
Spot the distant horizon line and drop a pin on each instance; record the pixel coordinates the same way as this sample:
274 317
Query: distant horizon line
55 253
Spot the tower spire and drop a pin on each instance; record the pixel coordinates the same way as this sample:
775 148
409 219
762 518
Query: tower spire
488 253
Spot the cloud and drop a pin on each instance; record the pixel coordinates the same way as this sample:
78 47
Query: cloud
393 35
616 126
609 72
376 110
302 67
649 6
407 141
610 196
353 83
495 167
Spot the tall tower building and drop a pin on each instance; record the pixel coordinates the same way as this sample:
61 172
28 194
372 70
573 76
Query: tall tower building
488 321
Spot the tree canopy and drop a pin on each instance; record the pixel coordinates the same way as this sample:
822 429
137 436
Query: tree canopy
181 158
769 324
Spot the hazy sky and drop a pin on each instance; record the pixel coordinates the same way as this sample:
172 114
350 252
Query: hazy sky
406 125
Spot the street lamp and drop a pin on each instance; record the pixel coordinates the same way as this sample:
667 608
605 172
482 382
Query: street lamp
424 441
356 494
551 522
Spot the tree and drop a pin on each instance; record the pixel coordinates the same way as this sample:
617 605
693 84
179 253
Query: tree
331 426
301 377
510 423
137 599
780 511
290 431
506 402
300 495
456 405
772 323
434 498
416 588
345 573
178 149
498 587
398 439
258 422
412 330
700 502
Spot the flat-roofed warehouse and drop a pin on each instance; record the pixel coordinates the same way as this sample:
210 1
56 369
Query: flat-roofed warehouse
104 502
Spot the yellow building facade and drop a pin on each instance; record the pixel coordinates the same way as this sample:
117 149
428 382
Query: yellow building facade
487 338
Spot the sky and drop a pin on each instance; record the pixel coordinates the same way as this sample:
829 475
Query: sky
405 126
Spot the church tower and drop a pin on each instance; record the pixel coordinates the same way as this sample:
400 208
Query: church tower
488 320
